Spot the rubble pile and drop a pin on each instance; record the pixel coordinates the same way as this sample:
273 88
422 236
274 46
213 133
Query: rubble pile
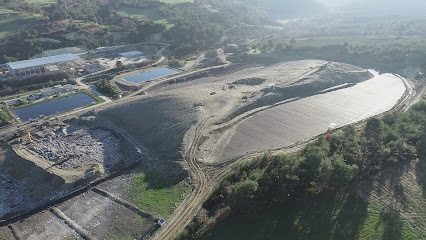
12 194
79 147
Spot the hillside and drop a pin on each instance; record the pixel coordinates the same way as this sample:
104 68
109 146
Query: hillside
285 9
357 184
189 26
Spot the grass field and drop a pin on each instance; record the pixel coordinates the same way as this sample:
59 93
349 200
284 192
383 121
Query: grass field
322 217
12 22
150 13
156 194
42 3
176 1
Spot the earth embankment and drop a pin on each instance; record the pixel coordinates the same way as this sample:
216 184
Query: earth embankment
157 123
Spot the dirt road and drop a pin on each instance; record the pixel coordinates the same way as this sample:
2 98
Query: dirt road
207 177
204 176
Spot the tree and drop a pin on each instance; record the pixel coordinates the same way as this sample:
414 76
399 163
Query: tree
281 177
421 149
374 129
242 193
343 173
119 64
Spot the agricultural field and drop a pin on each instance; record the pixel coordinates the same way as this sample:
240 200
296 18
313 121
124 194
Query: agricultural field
149 13
42 3
12 22
176 1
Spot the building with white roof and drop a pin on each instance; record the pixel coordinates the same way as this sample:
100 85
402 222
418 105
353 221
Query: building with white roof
39 65
58 89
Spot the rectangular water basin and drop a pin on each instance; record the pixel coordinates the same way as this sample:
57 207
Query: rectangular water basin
53 107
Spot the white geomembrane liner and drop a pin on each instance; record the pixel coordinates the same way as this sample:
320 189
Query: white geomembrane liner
300 120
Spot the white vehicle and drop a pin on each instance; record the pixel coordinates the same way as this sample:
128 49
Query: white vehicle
161 221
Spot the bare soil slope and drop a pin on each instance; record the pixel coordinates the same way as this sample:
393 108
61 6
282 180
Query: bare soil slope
158 123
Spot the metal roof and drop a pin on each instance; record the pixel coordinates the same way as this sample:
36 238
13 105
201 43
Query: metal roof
42 61
132 53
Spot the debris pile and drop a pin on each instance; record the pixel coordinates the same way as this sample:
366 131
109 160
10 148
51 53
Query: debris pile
12 194
79 147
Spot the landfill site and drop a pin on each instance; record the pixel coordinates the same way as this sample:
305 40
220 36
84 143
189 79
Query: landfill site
70 174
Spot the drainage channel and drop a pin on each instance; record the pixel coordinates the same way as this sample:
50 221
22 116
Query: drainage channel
13 232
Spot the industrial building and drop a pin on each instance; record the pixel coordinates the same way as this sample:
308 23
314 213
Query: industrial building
41 65
59 89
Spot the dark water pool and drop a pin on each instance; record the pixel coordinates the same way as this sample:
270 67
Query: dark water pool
53 106
147 76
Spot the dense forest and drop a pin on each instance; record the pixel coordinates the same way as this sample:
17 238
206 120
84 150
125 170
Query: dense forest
188 26
193 26
331 165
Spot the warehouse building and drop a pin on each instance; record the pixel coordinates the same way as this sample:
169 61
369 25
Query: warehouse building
42 65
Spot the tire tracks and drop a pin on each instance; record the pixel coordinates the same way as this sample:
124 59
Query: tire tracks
202 182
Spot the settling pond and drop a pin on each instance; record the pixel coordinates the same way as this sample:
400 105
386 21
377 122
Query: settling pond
147 76
53 107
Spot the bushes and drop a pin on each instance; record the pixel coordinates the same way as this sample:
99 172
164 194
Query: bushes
4 117
106 87
421 149
323 165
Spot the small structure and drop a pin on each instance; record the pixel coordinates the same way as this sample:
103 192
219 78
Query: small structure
271 86
59 89
324 64
32 97
161 222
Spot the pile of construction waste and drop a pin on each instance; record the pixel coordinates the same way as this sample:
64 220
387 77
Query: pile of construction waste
12 194
71 148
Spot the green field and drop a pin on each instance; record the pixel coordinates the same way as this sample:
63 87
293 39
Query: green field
5 116
150 13
322 217
156 194
12 22
176 1
42 3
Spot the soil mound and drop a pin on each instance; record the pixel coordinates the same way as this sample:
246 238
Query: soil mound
158 123
313 82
